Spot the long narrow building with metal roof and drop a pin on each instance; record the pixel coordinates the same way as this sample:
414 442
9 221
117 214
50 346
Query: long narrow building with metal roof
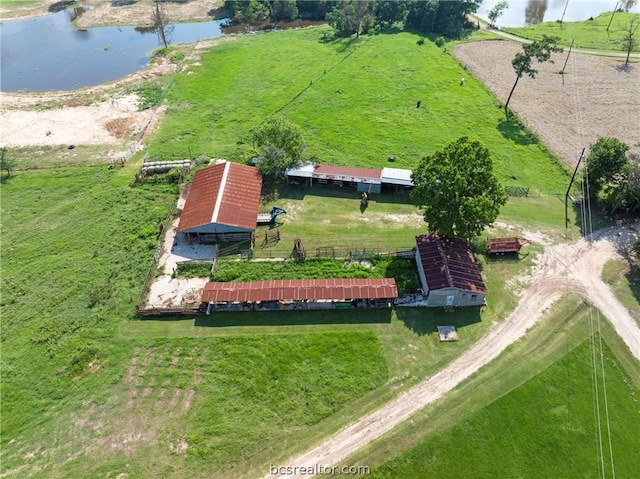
222 203
300 293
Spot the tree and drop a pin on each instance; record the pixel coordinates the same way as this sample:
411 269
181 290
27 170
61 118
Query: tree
441 16
496 12
160 21
389 12
6 163
280 144
540 50
629 38
605 162
348 17
625 194
457 190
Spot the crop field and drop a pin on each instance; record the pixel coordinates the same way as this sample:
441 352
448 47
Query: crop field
589 34
355 101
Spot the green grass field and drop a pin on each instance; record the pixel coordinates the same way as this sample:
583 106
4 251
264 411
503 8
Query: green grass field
589 34
354 100
76 247
625 284
87 391
543 380
544 428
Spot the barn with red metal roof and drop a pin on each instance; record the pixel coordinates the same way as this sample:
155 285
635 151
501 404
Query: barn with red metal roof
222 203
448 272
301 293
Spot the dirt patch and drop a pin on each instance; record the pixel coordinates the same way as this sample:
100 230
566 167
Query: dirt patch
598 98
105 13
119 127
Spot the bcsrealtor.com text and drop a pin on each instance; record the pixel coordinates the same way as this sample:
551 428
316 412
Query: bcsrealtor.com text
318 469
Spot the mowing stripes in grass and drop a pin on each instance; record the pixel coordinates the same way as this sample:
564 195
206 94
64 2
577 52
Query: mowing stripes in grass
544 428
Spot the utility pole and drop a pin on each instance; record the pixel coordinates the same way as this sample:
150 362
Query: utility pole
566 196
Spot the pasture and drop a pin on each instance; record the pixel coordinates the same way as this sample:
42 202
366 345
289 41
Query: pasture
536 397
590 34
355 101
88 390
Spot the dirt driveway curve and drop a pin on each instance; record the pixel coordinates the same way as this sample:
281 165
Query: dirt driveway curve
560 270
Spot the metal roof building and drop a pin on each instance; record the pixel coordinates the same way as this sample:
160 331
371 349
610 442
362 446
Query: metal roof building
396 176
222 203
505 245
448 272
300 290
363 179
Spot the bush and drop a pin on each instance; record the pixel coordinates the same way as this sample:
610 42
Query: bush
149 96
440 41
420 41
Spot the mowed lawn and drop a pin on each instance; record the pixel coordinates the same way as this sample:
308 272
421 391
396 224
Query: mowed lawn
544 428
355 101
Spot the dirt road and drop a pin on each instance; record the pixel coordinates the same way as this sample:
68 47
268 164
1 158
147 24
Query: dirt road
560 270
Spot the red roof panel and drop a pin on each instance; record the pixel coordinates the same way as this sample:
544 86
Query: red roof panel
448 263
504 245
346 173
226 193
300 290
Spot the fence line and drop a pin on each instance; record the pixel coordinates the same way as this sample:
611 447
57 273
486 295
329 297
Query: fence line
330 252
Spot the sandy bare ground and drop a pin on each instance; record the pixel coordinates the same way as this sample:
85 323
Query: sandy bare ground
598 98
560 270
103 12
167 291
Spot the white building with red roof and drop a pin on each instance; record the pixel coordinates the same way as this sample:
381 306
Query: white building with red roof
448 272
222 203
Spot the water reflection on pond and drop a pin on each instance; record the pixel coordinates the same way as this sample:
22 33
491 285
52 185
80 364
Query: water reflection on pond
47 53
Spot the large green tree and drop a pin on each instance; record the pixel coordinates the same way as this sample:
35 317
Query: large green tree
606 160
280 144
457 189
441 16
541 50
349 17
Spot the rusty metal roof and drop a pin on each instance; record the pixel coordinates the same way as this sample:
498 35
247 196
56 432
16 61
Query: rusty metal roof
505 245
300 290
226 193
347 173
448 263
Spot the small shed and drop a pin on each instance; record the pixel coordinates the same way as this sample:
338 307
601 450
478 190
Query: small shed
222 204
505 245
448 272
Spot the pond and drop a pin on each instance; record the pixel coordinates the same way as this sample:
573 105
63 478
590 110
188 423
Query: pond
48 53
527 12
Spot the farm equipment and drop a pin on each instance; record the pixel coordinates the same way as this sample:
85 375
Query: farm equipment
269 217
